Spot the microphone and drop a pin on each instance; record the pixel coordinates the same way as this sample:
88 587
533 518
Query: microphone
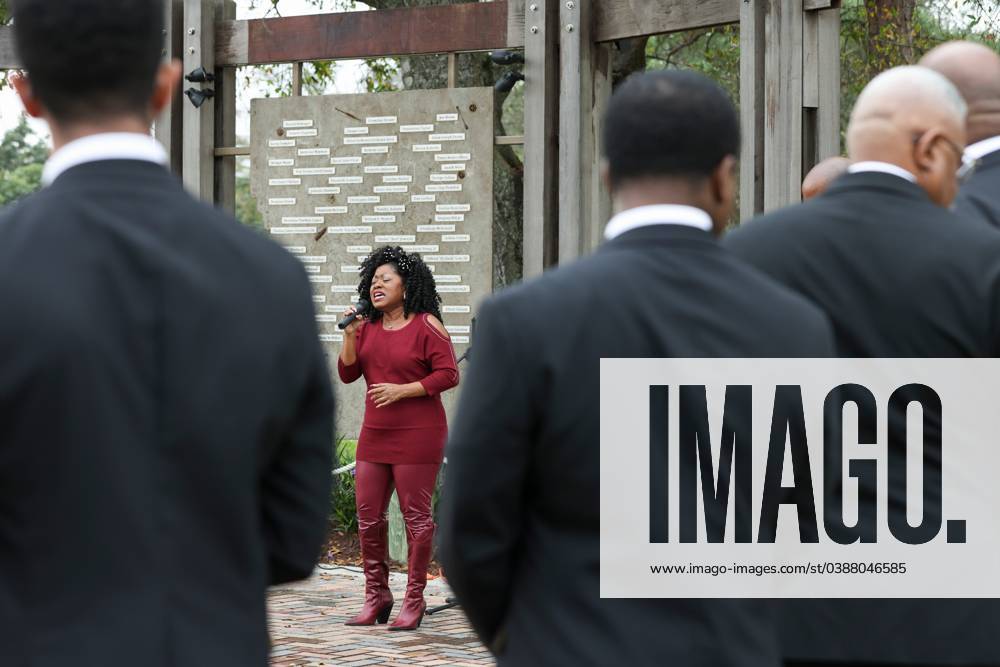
361 309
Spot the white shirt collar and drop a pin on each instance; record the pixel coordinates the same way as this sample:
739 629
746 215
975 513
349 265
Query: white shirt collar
662 214
881 167
99 147
981 149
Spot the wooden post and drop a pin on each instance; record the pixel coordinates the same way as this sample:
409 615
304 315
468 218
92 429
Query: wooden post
225 126
600 198
751 108
199 124
452 70
541 135
397 531
167 128
810 90
583 66
297 79
828 115
782 103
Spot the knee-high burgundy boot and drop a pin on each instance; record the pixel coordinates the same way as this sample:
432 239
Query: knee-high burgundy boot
419 547
375 554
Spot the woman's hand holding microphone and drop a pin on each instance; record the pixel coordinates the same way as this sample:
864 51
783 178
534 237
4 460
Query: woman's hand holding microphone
352 328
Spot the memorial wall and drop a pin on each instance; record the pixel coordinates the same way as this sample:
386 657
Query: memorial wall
337 176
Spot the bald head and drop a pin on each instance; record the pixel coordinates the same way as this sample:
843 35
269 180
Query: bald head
975 71
914 118
822 175
895 105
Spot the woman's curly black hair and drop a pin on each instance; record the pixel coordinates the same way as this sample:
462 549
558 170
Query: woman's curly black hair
421 295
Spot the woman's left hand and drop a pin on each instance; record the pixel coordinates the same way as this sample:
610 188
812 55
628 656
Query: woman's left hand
386 394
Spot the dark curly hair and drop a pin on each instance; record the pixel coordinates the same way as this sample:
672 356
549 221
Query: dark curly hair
420 289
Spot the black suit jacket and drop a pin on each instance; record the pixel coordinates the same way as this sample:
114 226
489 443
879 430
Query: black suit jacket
521 517
899 277
165 426
979 198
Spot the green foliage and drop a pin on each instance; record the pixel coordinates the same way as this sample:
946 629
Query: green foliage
871 41
246 205
22 155
382 75
875 34
715 52
343 510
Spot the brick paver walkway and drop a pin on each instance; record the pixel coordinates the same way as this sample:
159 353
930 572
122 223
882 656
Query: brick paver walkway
307 627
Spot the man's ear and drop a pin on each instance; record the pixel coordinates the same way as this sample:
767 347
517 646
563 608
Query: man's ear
724 181
168 80
32 105
923 151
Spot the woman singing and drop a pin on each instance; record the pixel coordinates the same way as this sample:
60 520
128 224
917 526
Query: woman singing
406 357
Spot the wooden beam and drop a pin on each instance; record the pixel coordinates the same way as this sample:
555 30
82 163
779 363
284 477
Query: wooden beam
782 104
815 5
8 53
510 140
541 136
515 23
232 151
622 19
225 125
199 124
475 26
751 109
232 42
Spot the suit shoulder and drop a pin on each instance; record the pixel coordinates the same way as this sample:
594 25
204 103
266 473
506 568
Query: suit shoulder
793 314
252 242
765 227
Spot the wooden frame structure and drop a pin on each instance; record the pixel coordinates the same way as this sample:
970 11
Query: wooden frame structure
789 90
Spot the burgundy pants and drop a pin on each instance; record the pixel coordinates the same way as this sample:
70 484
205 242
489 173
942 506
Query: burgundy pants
414 484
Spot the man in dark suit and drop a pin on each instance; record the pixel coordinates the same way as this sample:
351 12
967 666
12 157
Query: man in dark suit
521 519
975 71
899 275
165 407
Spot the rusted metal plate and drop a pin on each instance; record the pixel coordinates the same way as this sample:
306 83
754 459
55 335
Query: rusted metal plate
476 26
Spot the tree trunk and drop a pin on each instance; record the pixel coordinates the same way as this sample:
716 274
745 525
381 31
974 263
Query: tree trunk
890 34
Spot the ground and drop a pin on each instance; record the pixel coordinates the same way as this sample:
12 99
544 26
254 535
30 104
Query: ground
307 626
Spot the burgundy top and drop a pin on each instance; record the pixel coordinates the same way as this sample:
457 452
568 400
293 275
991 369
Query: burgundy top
412 430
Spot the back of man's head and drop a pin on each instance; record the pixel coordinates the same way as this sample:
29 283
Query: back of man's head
90 59
914 118
975 71
823 175
669 123
672 126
